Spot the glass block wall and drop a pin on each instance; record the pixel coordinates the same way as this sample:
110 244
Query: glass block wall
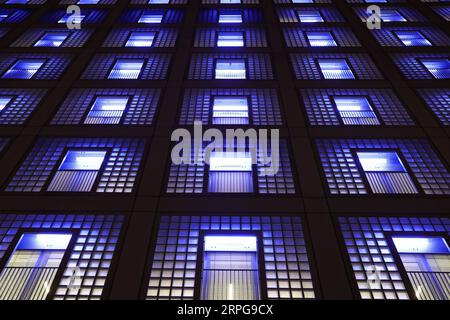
207 37
367 250
412 68
296 37
140 111
22 104
91 15
169 15
14 15
119 173
322 112
211 15
100 2
241 1
75 38
386 36
165 37
286 261
145 2
93 253
343 176
3 142
410 14
438 100
444 12
289 15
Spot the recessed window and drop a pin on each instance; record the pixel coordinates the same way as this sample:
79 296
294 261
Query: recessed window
52 39
439 68
140 39
320 39
88 1
230 268
380 162
412 38
335 69
158 1
3 17
151 17
309 16
126 69
17 1
83 160
107 110
230 172
355 110
230 110
391 15
230 17
302 1
230 39
4 101
230 1
76 18
24 69
230 69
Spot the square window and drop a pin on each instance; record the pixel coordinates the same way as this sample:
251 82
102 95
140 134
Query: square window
82 160
52 39
126 69
23 69
68 16
230 17
387 161
4 101
309 16
88 1
355 110
230 1
140 39
335 69
412 38
230 161
158 1
230 110
391 15
230 39
320 39
439 68
151 17
230 69
107 110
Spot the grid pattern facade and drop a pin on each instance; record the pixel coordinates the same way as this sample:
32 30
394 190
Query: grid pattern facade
92 16
3 32
367 248
387 38
253 37
286 262
165 37
444 12
173 2
242 1
264 105
90 261
306 66
345 178
100 2
290 1
169 15
297 37
75 38
411 66
410 14
289 15
141 110
249 15
438 100
30 2
23 103
119 174
321 111
14 15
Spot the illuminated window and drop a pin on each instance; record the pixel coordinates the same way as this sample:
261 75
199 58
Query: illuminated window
126 69
230 1
230 172
230 268
427 264
230 69
439 68
151 17
88 1
140 39
375 1
69 16
78 171
230 39
230 17
52 39
320 39
230 110
4 101
3 17
335 69
385 172
158 1
412 38
23 69
107 110
17 2
391 15
302 1
33 265
309 16
355 110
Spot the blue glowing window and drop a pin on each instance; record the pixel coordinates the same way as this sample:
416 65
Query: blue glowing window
158 1
412 38
44 241
82 160
229 107
439 68
88 1
349 103
375 1
421 245
52 39
3 17
126 69
309 16
391 15
140 39
17 2
230 17
230 161
355 110
302 1
4 101
320 39
335 69
230 69
151 17
230 39
230 1
380 161
23 69
107 110
69 16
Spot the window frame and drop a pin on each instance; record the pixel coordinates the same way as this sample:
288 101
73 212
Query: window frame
94 99
216 60
332 97
249 107
355 75
116 60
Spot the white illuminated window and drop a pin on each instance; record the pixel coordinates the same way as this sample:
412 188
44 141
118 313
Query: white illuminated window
230 39
230 161
17 1
88 1
158 1
24 69
230 69
52 39
383 161
375 1
140 39
230 1
320 39
355 110
126 69
391 15
230 17
69 16
412 38
309 16
3 17
302 1
151 17
439 68
4 101
335 69
107 110
82 160
230 107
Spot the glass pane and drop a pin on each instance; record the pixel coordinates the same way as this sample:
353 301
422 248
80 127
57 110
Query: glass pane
83 160
380 162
